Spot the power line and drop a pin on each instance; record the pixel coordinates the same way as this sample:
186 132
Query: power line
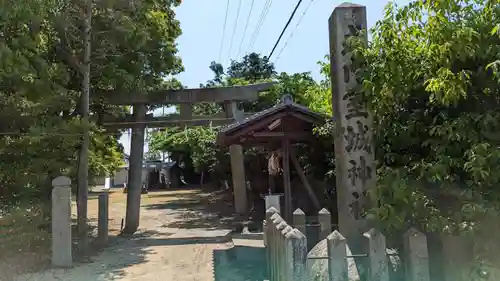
293 31
223 31
284 29
234 30
246 27
258 26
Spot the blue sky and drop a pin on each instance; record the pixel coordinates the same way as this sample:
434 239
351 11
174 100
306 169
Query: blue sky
202 24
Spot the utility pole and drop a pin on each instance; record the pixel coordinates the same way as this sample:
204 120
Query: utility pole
83 163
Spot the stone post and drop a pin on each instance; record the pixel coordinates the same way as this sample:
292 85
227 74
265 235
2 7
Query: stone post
282 228
61 222
354 152
377 256
417 262
325 223
275 245
296 255
273 201
267 235
134 186
299 220
457 255
103 216
237 164
337 262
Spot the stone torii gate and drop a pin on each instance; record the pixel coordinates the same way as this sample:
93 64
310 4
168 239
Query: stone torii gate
139 120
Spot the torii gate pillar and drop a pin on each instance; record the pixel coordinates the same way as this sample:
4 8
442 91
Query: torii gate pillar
237 164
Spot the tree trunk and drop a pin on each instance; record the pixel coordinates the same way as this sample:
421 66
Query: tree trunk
83 163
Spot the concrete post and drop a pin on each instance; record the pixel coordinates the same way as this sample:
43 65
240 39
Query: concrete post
457 256
273 201
61 222
237 165
135 172
269 240
281 226
377 256
417 261
325 223
354 154
299 220
296 255
103 217
337 262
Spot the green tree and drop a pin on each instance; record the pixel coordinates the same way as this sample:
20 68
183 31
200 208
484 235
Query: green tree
133 48
430 74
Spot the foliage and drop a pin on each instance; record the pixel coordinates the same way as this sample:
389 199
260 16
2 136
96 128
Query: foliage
133 48
24 239
430 74
319 97
198 142
435 125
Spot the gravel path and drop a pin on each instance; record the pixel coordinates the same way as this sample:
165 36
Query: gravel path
159 251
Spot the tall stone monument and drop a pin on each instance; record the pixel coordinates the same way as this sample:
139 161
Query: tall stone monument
354 151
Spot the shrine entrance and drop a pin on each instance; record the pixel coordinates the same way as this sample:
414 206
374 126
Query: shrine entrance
186 98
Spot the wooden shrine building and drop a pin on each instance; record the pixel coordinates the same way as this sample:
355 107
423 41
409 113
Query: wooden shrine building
278 128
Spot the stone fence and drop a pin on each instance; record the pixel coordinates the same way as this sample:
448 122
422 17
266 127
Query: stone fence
288 258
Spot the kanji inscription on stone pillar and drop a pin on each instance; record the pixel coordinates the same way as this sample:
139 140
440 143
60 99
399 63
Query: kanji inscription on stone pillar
354 151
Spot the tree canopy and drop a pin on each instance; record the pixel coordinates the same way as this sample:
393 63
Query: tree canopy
430 74
41 51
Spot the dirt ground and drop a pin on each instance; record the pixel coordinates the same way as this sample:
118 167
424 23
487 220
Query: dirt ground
162 248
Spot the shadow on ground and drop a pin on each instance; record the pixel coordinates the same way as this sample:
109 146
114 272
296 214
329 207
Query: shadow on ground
241 263
130 254
132 251
206 209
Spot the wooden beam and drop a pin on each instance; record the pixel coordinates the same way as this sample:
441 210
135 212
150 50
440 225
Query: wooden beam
286 178
275 124
263 138
268 134
290 135
235 93
252 127
304 180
